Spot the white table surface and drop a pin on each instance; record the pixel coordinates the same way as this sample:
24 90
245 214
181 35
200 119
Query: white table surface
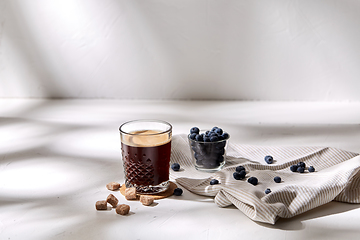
56 156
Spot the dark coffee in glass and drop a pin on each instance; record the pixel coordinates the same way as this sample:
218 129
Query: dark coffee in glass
146 151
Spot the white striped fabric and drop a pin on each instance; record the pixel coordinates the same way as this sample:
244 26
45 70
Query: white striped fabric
337 177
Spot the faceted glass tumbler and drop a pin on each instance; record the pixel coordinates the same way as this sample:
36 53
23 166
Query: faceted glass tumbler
208 156
146 151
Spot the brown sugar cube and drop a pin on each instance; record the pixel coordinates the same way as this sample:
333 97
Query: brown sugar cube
112 200
130 193
113 186
122 209
146 200
101 205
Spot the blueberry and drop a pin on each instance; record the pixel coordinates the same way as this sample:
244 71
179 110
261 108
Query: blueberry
199 156
220 151
207 133
277 179
214 139
219 131
199 162
192 136
220 145
301 164
212 134
195 130
206 139
214 128
239 175
253 180
202 148
300 169
294 168
311 169
225 135
178 191
175 166
199 137
240 168
236 175
214 181
220 137
267 191
269 159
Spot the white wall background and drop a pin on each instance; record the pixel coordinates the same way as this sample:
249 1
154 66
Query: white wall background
181 49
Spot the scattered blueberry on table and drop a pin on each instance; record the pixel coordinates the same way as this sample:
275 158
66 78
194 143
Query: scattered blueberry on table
239 175
178 191
311 169
301 169
214 182
253 180
239 168
294 168
301 164
269 159
277 179
175 166
268 190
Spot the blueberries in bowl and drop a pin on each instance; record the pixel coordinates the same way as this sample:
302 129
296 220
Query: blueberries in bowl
192 136
199 137
214 129
214 138
219 131
194 130
208 148
225 135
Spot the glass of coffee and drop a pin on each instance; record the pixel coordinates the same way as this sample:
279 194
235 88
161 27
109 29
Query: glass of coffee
146 150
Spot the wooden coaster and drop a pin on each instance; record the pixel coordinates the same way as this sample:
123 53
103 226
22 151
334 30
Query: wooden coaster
161 195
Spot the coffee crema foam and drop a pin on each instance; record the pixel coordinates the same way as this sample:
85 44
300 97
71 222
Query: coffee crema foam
146 138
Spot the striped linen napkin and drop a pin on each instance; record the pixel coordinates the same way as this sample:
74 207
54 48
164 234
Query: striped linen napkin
337 177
